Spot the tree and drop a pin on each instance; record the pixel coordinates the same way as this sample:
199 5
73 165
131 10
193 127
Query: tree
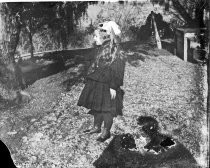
35 16
68 14
191 11
10 33
30 18
11 30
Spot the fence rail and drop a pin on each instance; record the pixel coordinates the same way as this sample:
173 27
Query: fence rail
83 51
40 54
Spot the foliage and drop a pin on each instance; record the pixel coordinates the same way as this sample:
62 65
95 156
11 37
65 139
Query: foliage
191 12
146 31
11 25
58 19
125 15
22 20
54 23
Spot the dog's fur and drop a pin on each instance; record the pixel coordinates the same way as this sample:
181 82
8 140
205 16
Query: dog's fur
127 141
158 142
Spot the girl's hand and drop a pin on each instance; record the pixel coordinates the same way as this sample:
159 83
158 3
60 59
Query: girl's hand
113 93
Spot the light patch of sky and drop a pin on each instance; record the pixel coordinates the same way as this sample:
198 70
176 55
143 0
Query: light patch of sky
92 11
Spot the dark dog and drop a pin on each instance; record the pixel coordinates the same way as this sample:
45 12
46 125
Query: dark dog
162 150
6 160
158 142
127 141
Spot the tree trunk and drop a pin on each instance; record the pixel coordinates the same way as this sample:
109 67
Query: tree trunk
30 36
13 66
69 20
199 13
166 5
31 44
14 43
157 37
63 38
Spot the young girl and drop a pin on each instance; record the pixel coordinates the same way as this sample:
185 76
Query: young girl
102 93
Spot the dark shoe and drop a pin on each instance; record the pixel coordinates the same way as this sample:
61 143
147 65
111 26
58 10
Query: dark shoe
104 136
98 119
93 130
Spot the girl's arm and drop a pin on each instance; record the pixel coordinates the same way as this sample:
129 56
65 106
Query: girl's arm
117 69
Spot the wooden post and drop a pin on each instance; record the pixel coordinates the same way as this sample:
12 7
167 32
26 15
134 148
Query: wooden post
157 37
185 47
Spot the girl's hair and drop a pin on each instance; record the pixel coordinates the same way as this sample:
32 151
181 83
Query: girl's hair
110 48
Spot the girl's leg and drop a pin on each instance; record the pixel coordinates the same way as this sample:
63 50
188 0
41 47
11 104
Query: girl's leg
98 119
108 121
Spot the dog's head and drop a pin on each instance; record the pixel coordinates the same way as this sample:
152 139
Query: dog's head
149 124
108 31
101 36
127 141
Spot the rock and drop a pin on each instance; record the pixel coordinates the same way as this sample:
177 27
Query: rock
25 139
33 158
33 120
12 133
44 122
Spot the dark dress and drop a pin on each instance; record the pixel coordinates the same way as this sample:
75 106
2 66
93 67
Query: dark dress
108 73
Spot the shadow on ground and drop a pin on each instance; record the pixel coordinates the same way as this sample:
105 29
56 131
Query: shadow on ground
115 155
42 72
76 76
62 60
55 62
6 103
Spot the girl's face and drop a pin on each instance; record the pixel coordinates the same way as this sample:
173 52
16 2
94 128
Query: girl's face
100 36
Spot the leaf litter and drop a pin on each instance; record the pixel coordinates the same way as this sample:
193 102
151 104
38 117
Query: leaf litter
162 86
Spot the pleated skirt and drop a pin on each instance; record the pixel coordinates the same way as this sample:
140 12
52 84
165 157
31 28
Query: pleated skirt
96 97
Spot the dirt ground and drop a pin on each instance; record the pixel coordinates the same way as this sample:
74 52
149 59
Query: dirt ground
47 132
